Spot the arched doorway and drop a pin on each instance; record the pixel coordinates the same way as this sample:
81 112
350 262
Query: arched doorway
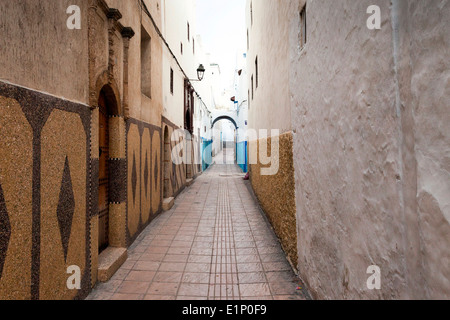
224 118
107 108
224 146
167 160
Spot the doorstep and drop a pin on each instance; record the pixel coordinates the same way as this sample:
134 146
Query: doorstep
168 203
109 261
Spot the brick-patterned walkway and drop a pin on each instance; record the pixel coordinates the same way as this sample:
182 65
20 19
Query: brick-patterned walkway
213 245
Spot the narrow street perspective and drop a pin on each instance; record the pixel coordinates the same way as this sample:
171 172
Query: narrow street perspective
214 244
178 150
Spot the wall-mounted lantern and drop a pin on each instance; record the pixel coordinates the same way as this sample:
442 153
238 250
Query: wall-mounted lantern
201 72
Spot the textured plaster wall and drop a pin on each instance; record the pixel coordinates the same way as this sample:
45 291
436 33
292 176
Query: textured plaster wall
40 52
276 193
143 107
268 40
371 148
173 103
430 95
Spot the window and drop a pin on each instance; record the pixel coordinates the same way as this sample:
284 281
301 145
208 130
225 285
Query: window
303 34
251 13
171 81
256 68
146 62
248 41
188 32
253 93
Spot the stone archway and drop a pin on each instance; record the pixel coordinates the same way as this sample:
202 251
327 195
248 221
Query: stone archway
225 118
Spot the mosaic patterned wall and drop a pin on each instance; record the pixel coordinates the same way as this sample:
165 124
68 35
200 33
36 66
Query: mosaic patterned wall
44 187
144 176
44 142
174 175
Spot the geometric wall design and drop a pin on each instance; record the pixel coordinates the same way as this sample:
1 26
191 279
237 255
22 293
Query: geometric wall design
5 230
146 200
134 165
176 174
66 208
156 179
44 191
144 175
16 172
63 202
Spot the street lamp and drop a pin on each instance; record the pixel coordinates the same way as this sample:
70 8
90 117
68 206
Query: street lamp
200 73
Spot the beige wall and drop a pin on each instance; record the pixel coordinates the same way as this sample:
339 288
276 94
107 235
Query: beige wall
430 96
173 103
38 50
371 148
269 42
142 107
176 15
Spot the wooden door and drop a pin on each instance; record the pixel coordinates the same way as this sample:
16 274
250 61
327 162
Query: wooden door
103 192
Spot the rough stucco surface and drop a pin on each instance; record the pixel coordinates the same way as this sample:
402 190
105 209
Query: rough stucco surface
430 97
371 148
276 194
40 52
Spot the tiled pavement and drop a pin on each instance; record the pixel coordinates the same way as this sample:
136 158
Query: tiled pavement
213 245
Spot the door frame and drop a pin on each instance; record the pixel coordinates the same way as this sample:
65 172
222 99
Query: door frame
117 171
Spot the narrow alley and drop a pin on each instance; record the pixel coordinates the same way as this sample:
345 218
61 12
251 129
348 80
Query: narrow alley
224 150
214 244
